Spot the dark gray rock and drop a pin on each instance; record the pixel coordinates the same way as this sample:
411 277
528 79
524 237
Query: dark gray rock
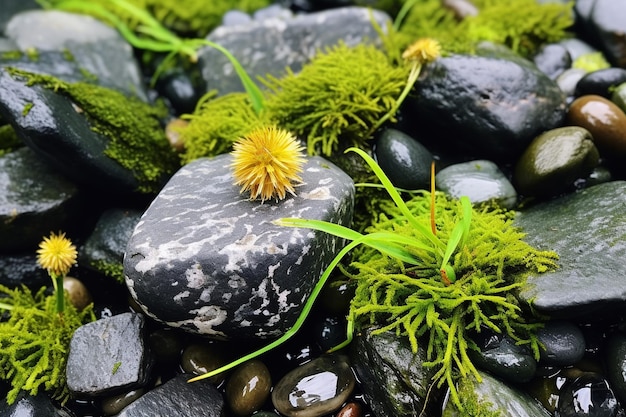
95 47
103 251
12 7
486 107
607 27
34 199
178 398
270 46
481 180
392 378
503 398
552 59
22 269
108 356
587 230
207 259
563 343
316 388
25 405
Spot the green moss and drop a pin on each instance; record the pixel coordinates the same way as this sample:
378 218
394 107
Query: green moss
415 301
136 137
10 55
590 62
110 269
34 342
217 123
27 108
336 100
522 25
9 140
473 405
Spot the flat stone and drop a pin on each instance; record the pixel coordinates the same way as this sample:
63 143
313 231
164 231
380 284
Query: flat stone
269 46
587 229
206 259
108 356
178 398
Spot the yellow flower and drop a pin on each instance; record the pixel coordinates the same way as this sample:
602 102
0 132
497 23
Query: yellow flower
423 50
57 254
266 163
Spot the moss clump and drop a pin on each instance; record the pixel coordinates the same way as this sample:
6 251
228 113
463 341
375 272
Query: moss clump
9 141
590 62
338 97
110 269
217 123
522 25
34 342
415 301
136 136
193 18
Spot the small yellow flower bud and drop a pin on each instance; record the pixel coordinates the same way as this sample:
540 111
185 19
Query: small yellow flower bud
56 254
423 50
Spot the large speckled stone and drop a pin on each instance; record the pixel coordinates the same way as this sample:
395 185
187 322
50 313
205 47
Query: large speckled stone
205 258
271 45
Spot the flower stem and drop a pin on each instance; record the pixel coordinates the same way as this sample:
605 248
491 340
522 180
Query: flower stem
59 293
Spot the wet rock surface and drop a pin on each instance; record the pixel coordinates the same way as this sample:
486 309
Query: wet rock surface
209 260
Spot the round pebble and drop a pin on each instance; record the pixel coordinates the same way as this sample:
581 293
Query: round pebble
601 82
554 160
552 59
115 404
248 388
199 359
314 389
166 345
587 396
351 410
329 332
173 135
563 342
405 161
500 356
77 292
568 80
604 120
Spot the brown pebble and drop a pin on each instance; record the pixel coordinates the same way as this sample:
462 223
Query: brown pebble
351 410
78 294
173 133
604 120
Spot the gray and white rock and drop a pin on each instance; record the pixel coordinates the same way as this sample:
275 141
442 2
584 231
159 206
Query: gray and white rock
206 259
480 180
108 356
268 47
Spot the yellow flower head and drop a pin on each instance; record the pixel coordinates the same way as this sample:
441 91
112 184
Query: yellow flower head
423 50
57 254
267 162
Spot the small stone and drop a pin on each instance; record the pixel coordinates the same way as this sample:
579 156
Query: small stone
500 356
173 133
563 343
199 359
314 389
568 80
587 395
554 160
403 159
600 82
248 388
615 356
78 294
351 410
166 345
181 89
552 59
108 356
481 180
604 120
329 331
115 404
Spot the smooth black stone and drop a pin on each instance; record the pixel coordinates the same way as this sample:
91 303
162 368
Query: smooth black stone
329 331
108 357
615 360
405 161
552 59
485 106
181 90
563 343
500 356
601 82
34 199
587 396
26 405
178 398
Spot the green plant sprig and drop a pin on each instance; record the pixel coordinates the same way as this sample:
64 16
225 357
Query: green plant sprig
157 38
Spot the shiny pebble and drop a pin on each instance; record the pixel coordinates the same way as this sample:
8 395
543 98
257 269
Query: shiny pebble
604 120
115 404
78 293
248 388
199 359
314 389
351 410
587 395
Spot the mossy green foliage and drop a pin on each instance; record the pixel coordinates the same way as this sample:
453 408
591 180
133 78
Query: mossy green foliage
9 141
473 405
193 18
414 301
338 97
34 341
110 269
592 61
522 25
217 123
134 128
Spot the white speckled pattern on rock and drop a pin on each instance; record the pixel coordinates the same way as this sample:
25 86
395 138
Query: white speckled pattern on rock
206 259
